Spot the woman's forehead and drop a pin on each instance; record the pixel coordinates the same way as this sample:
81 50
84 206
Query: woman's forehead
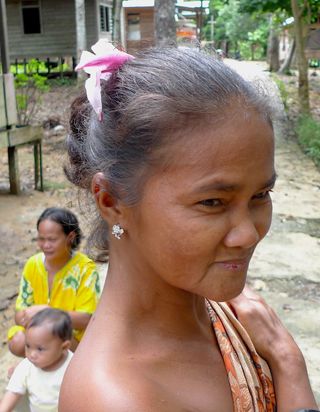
237 138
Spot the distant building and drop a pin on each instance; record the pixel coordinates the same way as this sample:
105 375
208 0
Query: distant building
47 28
138 22
312 39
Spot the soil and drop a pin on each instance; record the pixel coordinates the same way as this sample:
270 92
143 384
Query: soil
285 268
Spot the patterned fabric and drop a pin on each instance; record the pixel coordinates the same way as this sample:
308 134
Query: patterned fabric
248 374
75 287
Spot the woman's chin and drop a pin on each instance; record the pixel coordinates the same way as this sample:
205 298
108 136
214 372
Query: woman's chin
226 295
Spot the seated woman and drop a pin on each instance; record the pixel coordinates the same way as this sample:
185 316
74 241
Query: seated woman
59 277
179 157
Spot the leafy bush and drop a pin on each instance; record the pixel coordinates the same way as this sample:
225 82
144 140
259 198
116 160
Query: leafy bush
28 95
40 66
308 131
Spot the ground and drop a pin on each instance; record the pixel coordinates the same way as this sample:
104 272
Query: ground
285 268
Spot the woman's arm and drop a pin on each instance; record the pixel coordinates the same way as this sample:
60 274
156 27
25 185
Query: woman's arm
79 320
9 401
275 344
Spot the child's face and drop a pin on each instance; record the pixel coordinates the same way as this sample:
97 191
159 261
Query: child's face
43 349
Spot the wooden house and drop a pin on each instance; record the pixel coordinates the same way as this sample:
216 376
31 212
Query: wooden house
312 40
47 28
138 22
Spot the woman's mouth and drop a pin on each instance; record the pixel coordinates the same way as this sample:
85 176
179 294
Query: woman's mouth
234 265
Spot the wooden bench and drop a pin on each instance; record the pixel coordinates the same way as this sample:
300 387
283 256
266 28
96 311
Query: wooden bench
13 137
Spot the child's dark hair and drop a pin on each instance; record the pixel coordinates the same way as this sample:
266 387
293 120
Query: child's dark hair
66 219
149 103
59 320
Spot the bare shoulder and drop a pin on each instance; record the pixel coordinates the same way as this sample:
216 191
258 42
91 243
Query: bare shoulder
100 388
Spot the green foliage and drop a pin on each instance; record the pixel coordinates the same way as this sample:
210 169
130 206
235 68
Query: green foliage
243 32
251 51
29 88
310 7
282 90
62 81
38 66
308 131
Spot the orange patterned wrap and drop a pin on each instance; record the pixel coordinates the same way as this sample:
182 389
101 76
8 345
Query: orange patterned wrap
249 375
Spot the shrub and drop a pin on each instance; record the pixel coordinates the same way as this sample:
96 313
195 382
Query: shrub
308 131
28 95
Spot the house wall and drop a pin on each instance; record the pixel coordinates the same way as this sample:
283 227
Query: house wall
146 28
57 25
101 34
58 36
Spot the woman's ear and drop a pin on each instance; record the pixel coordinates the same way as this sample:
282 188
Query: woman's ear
107 204
71 236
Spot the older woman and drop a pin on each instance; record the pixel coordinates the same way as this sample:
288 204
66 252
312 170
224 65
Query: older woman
179 157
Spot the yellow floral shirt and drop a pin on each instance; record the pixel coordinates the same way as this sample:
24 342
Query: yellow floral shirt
75 287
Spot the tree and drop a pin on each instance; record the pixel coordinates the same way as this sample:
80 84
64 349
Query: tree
116 32
165 24
273 51
301 57
303 11
240 32
285 67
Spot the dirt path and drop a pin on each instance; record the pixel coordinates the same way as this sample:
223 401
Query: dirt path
285 269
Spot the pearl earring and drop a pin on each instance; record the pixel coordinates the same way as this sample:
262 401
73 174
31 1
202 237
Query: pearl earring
117 231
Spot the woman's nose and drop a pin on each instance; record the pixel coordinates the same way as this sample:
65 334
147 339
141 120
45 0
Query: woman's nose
243 233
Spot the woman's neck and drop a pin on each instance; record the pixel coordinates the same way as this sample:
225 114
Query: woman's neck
54 265
150 302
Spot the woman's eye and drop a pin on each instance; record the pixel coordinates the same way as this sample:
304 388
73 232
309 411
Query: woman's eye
262 195
211 202
40 349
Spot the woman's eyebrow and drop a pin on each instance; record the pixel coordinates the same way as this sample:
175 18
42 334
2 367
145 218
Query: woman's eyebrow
221 186
271 182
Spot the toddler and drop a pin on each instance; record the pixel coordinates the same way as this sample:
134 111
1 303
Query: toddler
39 375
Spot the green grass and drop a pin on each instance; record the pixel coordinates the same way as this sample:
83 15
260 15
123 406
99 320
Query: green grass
282 90
50 185
308 132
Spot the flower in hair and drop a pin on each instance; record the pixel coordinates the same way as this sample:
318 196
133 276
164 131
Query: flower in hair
100 65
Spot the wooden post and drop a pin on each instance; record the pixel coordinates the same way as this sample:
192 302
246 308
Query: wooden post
38 177
13 170
5 60
81 35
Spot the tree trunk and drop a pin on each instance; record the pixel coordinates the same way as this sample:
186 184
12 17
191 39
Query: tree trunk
116 35
301 59
273 51
285 67
81 36
165 24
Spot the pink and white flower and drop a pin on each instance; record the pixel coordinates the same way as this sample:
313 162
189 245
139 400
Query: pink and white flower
100 65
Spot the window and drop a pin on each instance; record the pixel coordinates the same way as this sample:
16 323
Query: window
105 18
31 16
134 27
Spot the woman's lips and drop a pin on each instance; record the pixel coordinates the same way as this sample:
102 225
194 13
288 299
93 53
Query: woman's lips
234 265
